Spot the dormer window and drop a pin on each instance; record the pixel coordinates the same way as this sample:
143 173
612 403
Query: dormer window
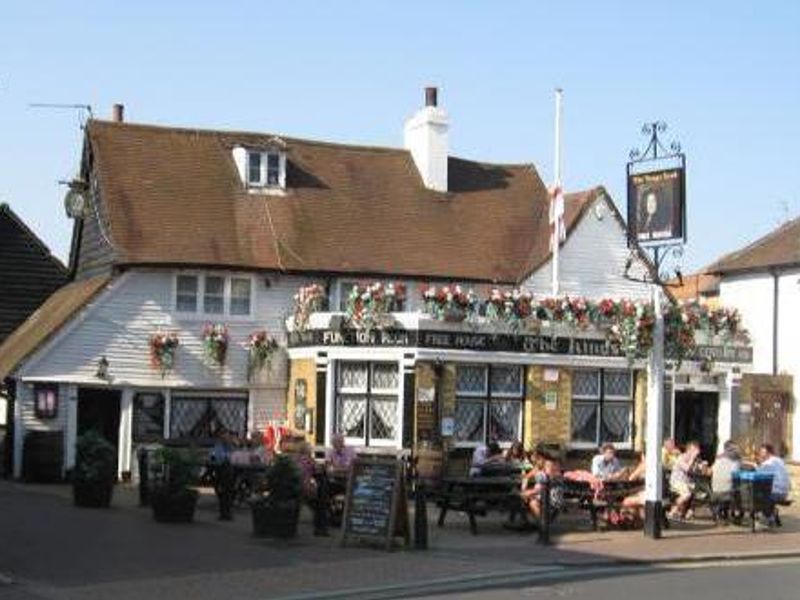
262 169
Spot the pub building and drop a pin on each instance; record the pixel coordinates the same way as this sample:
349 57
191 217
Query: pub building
190 244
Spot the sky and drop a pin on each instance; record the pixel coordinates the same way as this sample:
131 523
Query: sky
724 76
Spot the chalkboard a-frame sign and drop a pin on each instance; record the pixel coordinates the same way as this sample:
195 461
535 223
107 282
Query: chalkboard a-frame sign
376 508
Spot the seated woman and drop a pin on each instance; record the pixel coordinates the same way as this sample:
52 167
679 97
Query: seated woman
633 505
518 458
680 482
550 472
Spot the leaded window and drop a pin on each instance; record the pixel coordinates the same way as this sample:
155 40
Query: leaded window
368 402
488 404
602 406
148 417
204 418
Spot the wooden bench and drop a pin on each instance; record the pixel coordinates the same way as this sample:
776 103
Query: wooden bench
478 495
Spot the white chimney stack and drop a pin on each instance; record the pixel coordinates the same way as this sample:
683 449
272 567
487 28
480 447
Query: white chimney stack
426 139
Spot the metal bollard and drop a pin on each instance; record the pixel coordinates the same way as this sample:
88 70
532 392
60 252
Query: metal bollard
144 477
420 518
544 517
323 506
225 491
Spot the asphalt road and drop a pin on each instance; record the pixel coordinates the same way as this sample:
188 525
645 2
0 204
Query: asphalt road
742 581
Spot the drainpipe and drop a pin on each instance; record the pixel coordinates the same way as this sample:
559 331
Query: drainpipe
775 290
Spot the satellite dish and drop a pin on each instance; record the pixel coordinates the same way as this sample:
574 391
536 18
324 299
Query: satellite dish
75 203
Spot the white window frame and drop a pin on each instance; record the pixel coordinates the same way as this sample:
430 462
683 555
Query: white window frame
200 313
601 400
487 397
369 393
262 184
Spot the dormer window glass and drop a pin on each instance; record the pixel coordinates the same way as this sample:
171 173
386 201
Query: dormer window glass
273 169
254 169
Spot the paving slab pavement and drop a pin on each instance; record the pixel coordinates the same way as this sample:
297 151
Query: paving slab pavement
53 550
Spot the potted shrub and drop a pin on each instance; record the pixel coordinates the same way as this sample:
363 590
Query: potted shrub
276 513
95 471
172 498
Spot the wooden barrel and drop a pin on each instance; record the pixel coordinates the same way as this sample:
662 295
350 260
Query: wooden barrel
43 456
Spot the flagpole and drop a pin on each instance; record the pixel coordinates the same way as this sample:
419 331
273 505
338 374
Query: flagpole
556 200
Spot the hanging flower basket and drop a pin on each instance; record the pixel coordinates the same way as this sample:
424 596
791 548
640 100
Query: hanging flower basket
215 342
308 300
369 306
510 307
450 303
162 351
260 349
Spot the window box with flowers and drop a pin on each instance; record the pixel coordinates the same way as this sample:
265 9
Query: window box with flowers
369 306
308 300
450 303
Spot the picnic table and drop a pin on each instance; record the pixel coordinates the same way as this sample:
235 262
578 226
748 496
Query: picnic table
608 499
477 495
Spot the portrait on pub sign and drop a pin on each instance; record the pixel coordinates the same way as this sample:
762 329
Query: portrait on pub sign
656 209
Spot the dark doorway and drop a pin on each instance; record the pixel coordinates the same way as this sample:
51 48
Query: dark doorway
696 419
98 409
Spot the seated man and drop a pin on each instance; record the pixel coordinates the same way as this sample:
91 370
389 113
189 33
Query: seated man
768 462
606 465
485 456
722 472
339 456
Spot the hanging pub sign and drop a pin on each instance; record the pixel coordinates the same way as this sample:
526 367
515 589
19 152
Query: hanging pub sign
656 206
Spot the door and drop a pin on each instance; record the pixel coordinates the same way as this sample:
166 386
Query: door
770 415
696 420
98 409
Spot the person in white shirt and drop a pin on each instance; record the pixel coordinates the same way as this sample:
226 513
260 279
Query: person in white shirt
769 463
606 464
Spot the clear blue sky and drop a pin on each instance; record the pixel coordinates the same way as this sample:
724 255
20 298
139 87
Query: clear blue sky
724 75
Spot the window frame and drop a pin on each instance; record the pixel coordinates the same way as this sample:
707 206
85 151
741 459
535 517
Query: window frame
38 411
601 401
151 437
369 393
263 183
226 314
488 396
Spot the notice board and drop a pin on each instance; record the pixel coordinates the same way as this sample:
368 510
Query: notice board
376 508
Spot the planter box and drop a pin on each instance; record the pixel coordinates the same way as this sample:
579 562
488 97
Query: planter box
278 520
174 507
92 494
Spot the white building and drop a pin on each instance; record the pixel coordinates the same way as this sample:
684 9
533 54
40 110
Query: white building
762 280
180 228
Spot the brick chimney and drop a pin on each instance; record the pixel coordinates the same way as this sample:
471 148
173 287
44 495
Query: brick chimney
426 136
118 113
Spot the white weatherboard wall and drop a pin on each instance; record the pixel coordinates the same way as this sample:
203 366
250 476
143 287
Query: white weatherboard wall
752 294
118 323
592 260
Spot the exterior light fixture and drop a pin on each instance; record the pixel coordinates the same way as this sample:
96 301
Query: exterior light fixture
102 368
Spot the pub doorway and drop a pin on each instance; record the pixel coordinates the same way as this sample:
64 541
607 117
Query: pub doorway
99 409
696 419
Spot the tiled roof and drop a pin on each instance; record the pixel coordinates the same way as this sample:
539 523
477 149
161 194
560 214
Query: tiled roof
779 248
173 196
46 321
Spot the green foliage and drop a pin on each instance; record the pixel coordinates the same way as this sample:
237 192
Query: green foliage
180 468
95 459
284 480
